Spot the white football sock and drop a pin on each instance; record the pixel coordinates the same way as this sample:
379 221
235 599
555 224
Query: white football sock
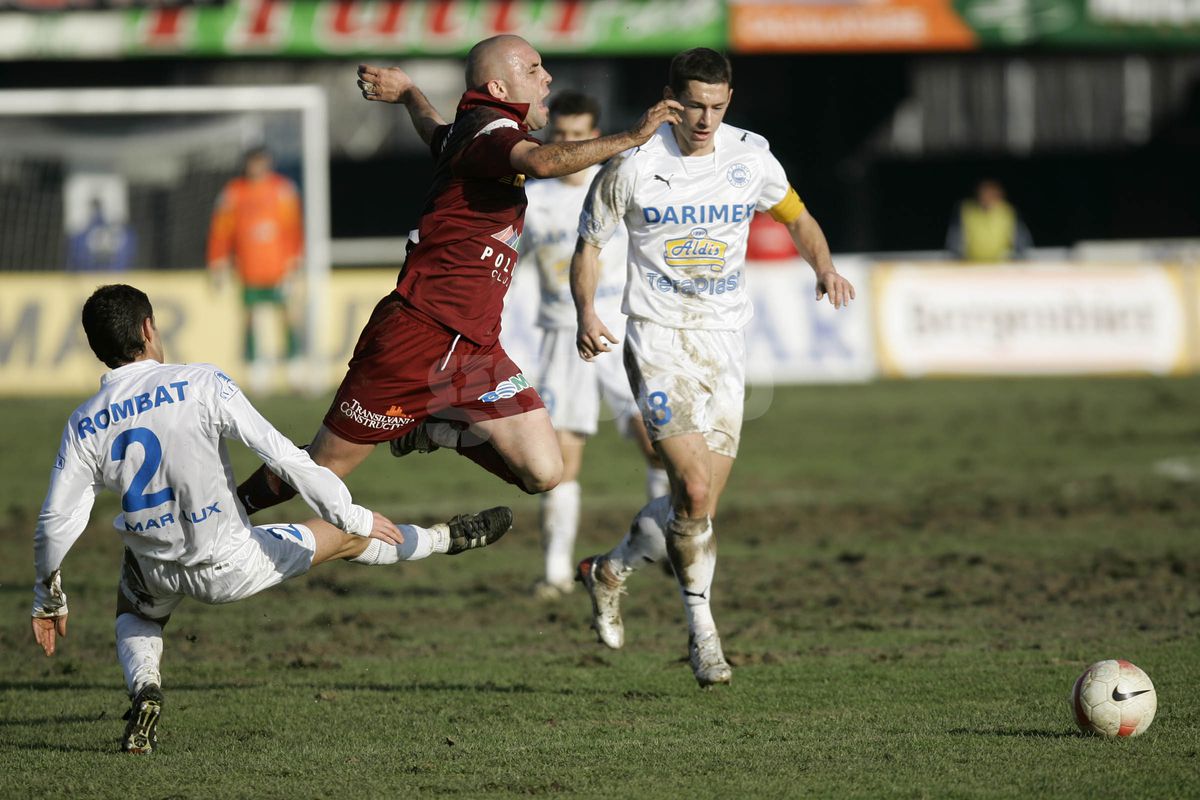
139 649
418 543
646 541
657 483
692 547
560 524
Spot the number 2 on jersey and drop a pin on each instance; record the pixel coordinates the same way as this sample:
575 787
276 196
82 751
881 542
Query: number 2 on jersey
135 498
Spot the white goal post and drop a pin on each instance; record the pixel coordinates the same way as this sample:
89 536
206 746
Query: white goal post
76 118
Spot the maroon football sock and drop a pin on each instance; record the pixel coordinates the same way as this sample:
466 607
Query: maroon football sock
264 489
486 456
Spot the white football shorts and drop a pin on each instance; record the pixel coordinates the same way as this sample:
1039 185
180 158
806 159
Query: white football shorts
572 389
688 381
267 556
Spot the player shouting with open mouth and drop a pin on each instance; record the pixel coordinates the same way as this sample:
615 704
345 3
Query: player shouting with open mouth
428 370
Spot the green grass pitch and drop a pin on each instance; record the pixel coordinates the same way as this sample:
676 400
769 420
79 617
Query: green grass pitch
911 576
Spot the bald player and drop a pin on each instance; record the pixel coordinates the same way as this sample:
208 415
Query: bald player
428 370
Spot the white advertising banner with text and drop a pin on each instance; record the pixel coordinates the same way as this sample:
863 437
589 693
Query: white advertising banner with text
1030 319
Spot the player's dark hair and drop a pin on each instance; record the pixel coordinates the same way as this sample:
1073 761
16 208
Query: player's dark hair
570 103
698 64
112 320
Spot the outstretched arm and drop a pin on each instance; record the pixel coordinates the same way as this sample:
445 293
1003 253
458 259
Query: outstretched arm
393 85
321 489
810 241
563 158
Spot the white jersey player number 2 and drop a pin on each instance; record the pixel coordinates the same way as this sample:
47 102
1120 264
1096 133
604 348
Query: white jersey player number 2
135 498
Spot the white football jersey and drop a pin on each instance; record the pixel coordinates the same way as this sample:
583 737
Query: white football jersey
551 222
687 219
154 434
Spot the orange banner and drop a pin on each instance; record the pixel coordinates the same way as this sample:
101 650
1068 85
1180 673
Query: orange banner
762 26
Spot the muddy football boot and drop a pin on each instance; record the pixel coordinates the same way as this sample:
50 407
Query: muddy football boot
708 662
472 531
141 732
606 603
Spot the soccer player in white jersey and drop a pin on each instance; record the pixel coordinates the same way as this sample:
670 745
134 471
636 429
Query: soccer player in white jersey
154 434
571 388
686 198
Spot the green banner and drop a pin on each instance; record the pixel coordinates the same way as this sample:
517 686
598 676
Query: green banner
1083 23
324 28
397 28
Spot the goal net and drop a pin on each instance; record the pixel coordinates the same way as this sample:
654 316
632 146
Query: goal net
116 180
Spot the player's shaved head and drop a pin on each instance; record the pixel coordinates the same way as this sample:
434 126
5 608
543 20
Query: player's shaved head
492 59
508 68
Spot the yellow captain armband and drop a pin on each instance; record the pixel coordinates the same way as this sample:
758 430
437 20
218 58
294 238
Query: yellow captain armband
788 209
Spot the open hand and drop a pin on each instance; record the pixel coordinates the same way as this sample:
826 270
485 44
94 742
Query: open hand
840 291
385 530
47 629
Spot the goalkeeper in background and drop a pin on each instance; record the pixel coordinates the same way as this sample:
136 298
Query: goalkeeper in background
257 230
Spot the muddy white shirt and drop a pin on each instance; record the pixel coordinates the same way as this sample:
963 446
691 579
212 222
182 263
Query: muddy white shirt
154 434
688 219
551 223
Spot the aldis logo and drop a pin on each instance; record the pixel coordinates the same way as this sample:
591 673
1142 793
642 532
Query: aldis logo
695 250
506 389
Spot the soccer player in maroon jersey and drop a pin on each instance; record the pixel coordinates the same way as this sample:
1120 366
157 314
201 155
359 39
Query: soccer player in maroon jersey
428 370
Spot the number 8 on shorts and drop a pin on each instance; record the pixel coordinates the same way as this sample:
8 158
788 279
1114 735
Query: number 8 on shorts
659 411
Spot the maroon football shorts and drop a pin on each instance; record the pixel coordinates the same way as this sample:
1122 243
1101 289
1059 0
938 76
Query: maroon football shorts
406 367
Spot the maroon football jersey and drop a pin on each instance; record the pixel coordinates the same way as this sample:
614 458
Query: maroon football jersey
462 264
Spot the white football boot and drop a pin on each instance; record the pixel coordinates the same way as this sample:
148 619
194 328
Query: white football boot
606 602
708 662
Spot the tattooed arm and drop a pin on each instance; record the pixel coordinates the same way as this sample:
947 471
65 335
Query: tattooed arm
563 158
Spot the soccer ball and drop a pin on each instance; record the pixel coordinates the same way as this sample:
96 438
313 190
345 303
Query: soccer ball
1114 698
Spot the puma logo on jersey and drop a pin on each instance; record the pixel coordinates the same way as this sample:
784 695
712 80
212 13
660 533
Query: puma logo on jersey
666 180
